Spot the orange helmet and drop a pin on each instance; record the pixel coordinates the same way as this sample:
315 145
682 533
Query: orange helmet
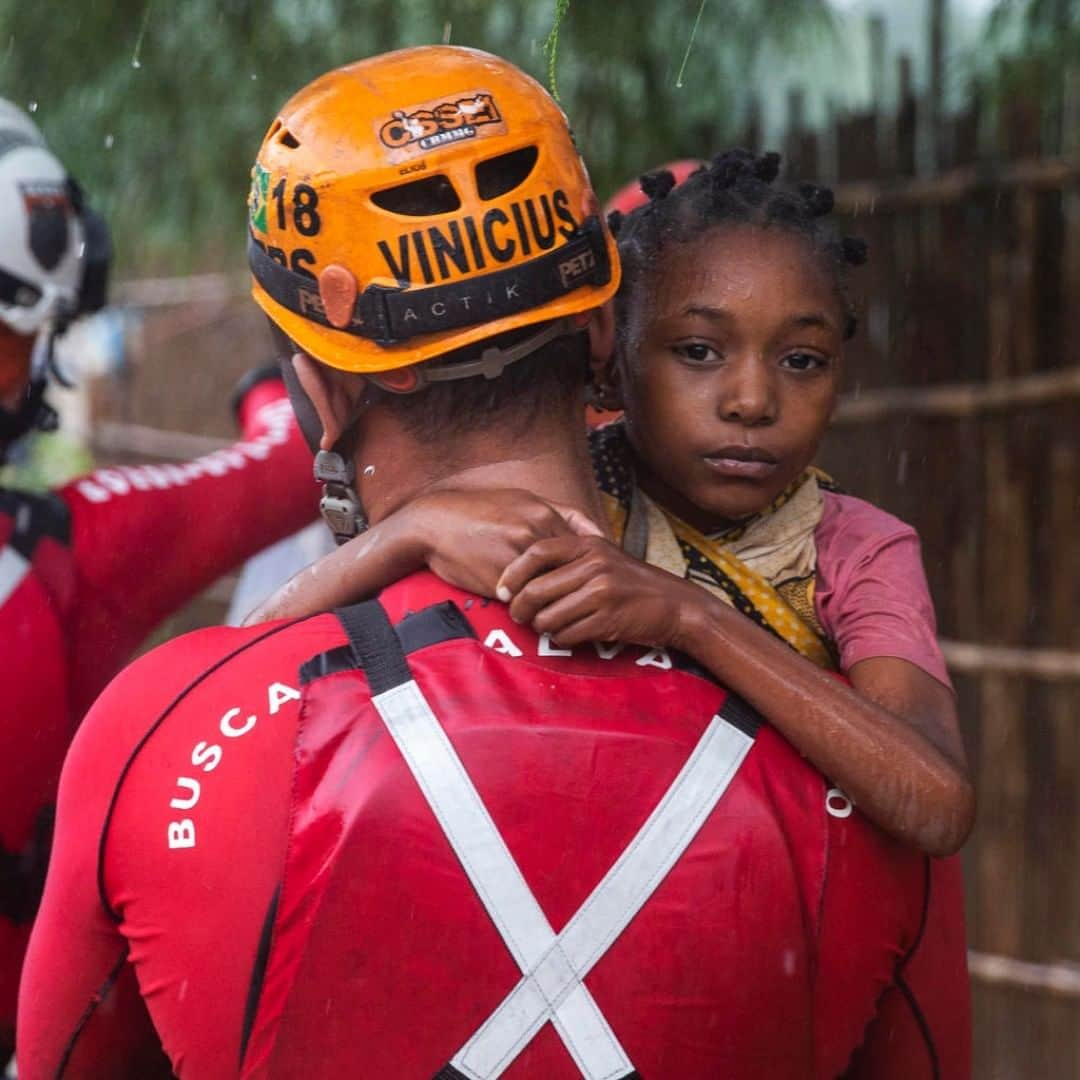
417 202
630 196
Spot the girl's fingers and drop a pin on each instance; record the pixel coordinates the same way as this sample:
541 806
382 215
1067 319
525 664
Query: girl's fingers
537 559
590 628
543 591
555 618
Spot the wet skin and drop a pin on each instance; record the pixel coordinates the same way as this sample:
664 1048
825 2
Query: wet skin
736 372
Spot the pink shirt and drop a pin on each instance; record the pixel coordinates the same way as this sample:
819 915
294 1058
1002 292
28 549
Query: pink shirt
871 596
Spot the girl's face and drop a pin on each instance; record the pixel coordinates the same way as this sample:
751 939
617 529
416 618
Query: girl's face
735 374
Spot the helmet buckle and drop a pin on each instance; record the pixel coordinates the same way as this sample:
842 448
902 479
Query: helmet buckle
340 506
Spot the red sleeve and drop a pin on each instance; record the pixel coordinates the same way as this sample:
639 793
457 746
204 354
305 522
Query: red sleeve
147 539
78 1000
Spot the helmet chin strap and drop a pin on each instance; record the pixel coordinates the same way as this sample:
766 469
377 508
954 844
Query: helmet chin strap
340 505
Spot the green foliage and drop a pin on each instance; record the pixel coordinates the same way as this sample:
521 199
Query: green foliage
159 107
1035 47
1041 39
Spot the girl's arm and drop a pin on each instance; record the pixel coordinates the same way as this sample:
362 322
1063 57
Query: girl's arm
467 538
890 740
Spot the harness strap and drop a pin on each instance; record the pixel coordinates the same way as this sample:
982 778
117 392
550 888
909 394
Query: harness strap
553 966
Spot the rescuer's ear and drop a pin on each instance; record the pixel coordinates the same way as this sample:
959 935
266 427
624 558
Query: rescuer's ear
332 393
604 384
602 332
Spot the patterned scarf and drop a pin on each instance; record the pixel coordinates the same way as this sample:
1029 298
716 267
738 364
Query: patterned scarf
765 566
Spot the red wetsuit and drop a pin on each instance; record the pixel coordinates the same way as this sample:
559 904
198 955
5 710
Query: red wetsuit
86 573
238 832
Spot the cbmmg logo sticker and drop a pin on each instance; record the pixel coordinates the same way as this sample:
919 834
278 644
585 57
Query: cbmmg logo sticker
443 122
260 191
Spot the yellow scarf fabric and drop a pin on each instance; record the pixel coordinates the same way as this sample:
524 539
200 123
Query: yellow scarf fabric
765 566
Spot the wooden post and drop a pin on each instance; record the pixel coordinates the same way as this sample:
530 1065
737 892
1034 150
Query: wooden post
1062 807
935 96
903 157
800 144
875 32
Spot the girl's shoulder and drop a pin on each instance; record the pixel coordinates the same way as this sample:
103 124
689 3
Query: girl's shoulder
851 526
871 594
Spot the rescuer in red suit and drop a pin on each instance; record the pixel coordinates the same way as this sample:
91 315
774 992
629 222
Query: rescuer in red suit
413 838
88 570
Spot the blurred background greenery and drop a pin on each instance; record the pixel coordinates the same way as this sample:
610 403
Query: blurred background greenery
158 107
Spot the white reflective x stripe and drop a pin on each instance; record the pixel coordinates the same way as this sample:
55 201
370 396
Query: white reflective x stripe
13 568
495 876
553 966
615 901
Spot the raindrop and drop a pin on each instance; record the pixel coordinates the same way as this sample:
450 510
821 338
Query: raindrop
135 61
253 76
109 140
31 106
901 468
446 30
689 46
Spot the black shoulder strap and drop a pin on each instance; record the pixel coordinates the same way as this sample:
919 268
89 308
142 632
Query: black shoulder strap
375 647
418 630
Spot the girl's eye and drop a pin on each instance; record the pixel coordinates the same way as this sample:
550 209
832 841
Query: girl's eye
804 361
695 351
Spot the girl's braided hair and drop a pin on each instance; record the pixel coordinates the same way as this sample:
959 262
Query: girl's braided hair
736 188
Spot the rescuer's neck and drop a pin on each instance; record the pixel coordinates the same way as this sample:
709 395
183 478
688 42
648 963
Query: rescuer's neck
550 459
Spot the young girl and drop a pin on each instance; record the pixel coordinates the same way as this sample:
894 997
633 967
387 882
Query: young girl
731 322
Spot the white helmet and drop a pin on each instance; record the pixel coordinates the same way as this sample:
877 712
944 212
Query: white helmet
13 121
42 230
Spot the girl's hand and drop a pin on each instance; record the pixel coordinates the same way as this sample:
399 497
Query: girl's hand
583 588
466 537
469 537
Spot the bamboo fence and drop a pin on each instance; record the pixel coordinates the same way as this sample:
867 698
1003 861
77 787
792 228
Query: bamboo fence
962 416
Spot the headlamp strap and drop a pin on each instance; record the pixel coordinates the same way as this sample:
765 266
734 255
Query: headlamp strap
390 316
